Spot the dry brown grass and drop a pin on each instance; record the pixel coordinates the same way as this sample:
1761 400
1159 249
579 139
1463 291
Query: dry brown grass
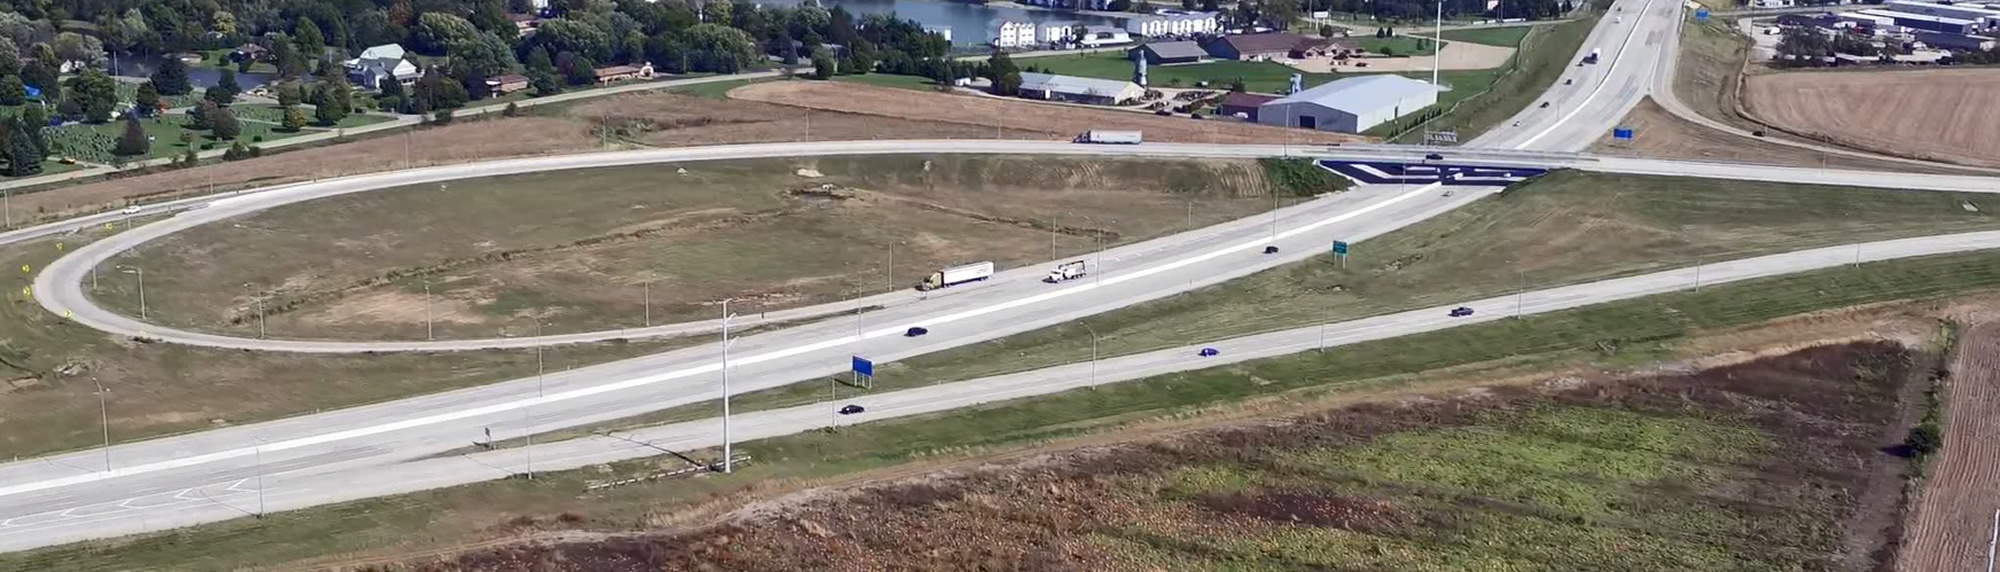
1935 114
673 120
1954 511
1049 121
473 140
1661 134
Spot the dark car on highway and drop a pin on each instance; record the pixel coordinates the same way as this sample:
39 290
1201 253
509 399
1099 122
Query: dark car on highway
1434 157
1461 312
1207 352
852 409
915 331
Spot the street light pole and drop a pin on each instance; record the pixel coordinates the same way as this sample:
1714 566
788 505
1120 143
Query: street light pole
649 303
260 478
427 309
104 417
141 273
728 449
528 420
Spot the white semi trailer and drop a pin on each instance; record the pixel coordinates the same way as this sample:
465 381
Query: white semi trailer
957 275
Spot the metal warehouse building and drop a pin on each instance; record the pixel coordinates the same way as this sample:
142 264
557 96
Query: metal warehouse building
1079 89
1350 105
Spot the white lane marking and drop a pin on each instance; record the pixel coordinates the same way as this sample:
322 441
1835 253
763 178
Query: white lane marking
1255 243
1608 71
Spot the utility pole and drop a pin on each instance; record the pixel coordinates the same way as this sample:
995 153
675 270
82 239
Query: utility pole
260 477
1437 45
104 416
427 309
1093 352
649 302
728 449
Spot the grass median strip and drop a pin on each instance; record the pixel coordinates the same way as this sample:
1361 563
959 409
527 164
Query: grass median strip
1566 228
1621 334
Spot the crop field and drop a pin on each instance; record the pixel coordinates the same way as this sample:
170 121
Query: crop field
580 250
1936 114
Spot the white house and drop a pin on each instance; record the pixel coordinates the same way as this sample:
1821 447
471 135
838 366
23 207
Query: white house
1095 36
1059 33
382 63
941 31
1173 22
1015 35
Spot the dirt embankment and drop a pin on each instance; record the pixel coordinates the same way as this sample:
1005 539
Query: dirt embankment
1937 115
1953 517
1660 134
1044 121
1756 450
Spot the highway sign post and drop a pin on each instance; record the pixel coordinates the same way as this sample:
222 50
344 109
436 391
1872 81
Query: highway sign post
1340 252
1701 14
863 370
1622 133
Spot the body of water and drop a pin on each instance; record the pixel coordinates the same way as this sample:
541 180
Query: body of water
970 24
143 66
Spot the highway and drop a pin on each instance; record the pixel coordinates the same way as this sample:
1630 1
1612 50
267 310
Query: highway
371 450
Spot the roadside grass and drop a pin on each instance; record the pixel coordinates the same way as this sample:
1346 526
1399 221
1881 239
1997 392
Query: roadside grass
1508 37
1565 228
1637 332
48 365
1543 55
94 143
577 250
1710 67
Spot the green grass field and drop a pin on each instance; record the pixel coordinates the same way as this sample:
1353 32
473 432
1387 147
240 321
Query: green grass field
1642 331
1261 77
1565 228
1509 36
918 83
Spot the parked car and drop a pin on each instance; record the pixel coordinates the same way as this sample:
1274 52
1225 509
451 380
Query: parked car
1461 312
1208 352
852 409
915 331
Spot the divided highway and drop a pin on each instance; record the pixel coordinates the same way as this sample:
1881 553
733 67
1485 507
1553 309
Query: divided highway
374 450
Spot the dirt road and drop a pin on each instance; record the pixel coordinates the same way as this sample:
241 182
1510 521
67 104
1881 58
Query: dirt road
1950 526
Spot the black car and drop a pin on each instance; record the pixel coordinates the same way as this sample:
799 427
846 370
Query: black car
1164 113
1208 352
1270 250
852 409
915 331
1461 312
1545 105
1434 157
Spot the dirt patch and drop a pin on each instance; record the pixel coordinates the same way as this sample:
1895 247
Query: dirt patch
1454 56
1038 121
1953 517
673 120
1661 134
1757 447
1937 115
457 143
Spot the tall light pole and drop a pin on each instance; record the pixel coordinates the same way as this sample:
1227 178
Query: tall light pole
1093 352
427 309
528 419
649 302
729 449
1437 45
141 272
260 477
104 416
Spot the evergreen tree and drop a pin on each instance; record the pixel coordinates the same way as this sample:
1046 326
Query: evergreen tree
295 118
12 91
23 159
225 89
202 117
133 142
224 125
172 77
333 103
34 118
147 101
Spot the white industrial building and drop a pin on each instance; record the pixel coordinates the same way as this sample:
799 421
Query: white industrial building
1095 36
1350 105
1059 33
1173 22
1079 89
1014 35
1882 19
1988 18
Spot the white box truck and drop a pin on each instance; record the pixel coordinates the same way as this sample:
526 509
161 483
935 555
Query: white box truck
1065 271
1112 137
957 275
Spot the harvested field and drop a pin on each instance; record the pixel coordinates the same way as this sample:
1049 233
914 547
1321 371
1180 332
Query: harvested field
1042 121
1933 114
1661 134
578 249
674 120
1733 468
459 142
1948 529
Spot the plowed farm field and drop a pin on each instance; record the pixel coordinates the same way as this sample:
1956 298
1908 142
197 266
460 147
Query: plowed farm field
1941 115
1952 521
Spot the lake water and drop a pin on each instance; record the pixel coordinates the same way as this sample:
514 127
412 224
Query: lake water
143 66
970 24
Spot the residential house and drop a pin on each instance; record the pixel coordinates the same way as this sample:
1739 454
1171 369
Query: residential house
379 64
1015 35
613 74
1244 105
250 53
505 84
1059 33
1098 36
1173 23
524 24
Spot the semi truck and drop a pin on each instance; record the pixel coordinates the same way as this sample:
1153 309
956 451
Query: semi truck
956 275
1111 137
1591 58
1065 271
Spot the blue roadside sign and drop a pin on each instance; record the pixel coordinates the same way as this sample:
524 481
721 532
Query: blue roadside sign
1701 14
1624 133
1339 247
864 367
